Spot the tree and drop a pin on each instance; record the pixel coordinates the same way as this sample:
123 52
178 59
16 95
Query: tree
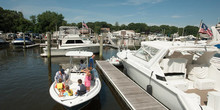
155 29
47 21
191 30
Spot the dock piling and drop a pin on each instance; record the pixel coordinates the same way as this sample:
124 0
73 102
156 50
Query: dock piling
48 44
101 47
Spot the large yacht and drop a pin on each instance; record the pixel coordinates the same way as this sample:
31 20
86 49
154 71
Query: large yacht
69 40
178 74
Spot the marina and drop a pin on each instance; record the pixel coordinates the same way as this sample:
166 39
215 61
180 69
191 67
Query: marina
109 55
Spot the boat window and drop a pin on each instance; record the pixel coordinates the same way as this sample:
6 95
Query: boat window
146 52
70 41
161 78
141 53
79 41
151 50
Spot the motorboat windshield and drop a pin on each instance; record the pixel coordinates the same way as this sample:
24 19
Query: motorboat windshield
146 52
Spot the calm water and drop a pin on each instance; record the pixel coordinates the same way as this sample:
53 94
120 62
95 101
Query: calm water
25 80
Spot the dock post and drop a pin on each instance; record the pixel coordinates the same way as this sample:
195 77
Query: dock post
24 41
32 37
48 44
101 47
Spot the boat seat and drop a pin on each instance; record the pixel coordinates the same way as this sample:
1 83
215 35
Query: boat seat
196 71
195 97
180 84
204 84
174 66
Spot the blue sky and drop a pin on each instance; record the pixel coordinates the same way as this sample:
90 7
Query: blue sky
152 12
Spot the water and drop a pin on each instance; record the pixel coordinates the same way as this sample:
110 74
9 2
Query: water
25 80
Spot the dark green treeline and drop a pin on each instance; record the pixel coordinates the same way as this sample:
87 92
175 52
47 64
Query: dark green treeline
14 21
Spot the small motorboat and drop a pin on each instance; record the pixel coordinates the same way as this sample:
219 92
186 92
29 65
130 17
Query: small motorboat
20 41
74 75
115 61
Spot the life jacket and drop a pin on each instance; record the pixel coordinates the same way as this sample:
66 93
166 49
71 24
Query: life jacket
59 86
70 93
82 90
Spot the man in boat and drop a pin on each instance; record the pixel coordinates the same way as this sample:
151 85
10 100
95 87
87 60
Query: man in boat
91 61
81 89
61 75
91 66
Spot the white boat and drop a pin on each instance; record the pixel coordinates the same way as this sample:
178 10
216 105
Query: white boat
20 41
114 61
69 40
177 74
74 75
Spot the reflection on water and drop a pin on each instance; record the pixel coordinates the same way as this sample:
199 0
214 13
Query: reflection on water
49 70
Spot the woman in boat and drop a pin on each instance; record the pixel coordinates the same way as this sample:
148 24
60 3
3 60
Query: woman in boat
88 80
81 89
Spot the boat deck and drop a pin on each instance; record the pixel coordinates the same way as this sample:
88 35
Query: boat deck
134 96
202 94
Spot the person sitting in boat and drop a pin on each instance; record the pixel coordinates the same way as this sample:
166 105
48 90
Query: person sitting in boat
60 86
61 75
81 89
88 80
68 92
82 65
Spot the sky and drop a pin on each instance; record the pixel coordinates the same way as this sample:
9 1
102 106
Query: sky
178 13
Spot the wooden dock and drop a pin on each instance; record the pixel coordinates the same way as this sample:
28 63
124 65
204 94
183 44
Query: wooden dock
133 95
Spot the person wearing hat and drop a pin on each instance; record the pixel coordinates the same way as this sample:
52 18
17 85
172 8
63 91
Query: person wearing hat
61 75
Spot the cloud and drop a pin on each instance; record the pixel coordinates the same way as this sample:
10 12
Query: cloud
139 2
176 16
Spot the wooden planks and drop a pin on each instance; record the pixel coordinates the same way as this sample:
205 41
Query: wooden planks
135 97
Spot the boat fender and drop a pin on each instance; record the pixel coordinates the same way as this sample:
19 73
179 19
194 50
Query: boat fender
149 87
125 71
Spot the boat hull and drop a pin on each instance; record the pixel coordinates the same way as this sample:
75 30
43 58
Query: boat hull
62 52
77 101
159 90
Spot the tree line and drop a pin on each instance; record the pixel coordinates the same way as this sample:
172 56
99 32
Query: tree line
14 21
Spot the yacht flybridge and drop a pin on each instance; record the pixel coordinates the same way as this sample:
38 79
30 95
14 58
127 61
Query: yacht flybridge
179 74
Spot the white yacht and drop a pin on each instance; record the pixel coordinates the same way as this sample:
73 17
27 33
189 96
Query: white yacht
74 75
178 74
69 40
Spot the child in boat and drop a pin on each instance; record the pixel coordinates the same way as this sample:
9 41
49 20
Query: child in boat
68 92
60 86
81 89
88 80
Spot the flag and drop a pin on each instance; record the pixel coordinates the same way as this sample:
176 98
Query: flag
205 30
84 25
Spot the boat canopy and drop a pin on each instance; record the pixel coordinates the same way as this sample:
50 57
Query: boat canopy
79 53
186 50
183 47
